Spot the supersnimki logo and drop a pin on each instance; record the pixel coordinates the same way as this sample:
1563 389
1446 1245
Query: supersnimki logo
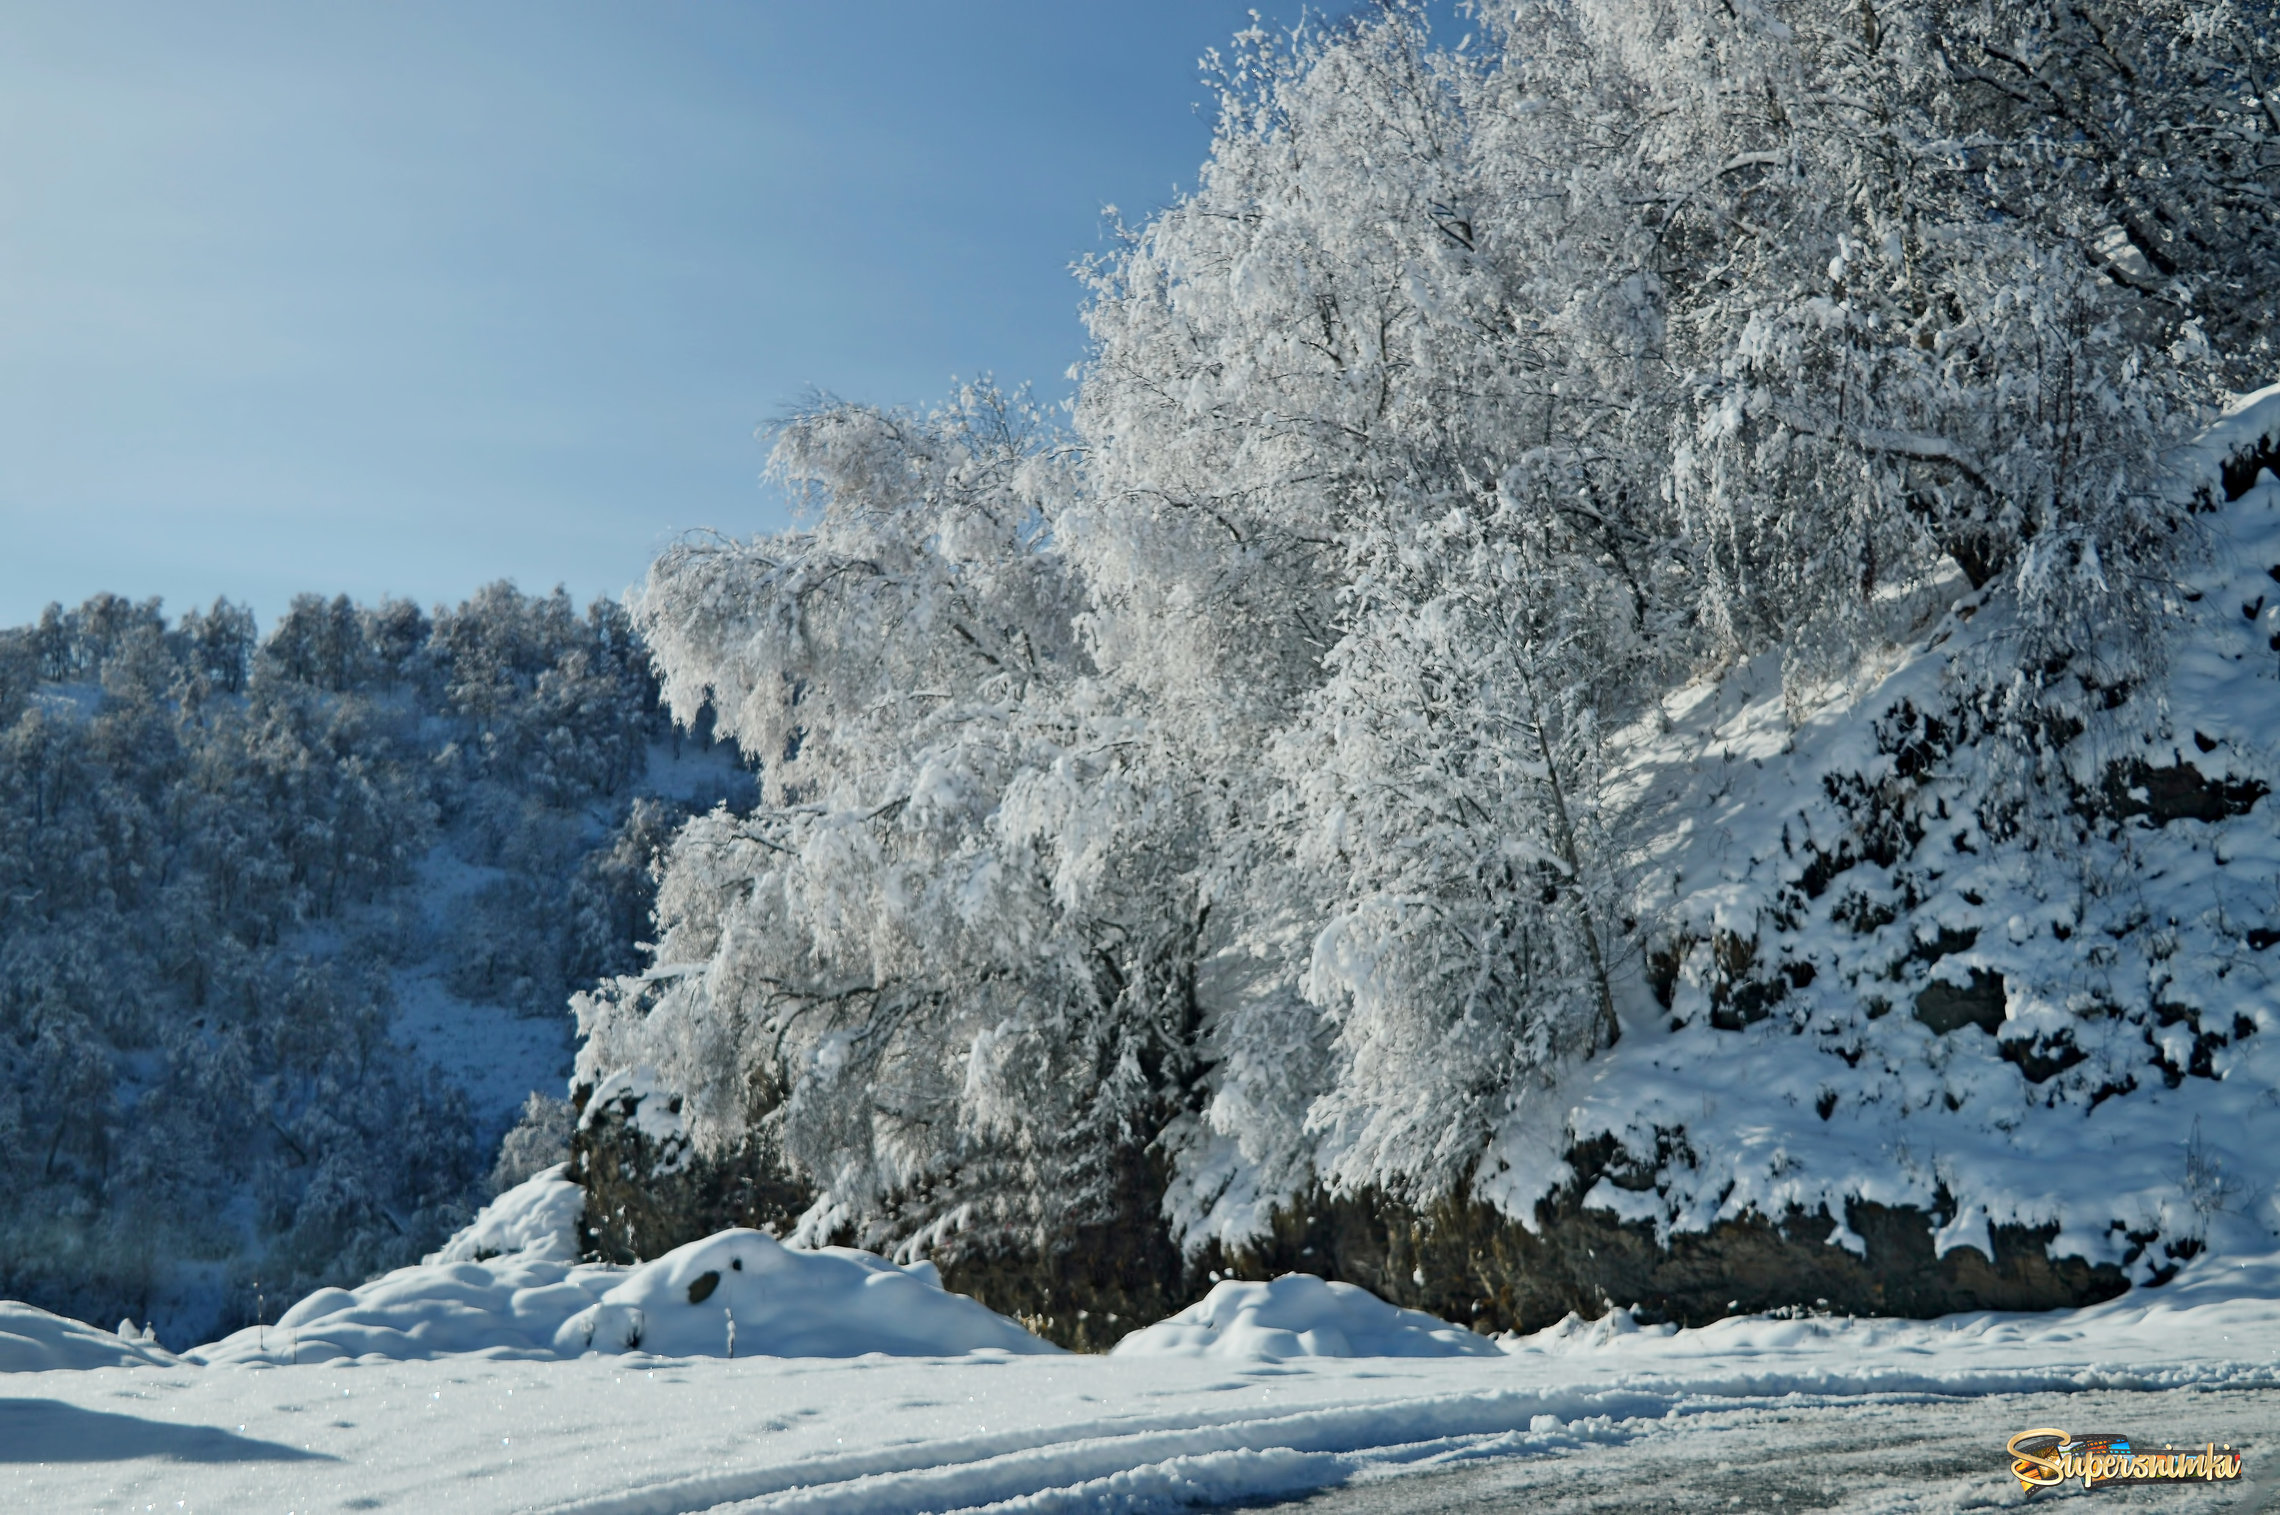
2045 1458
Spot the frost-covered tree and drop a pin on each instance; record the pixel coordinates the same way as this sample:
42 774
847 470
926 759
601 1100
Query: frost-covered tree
1238 780
1914 326
909 967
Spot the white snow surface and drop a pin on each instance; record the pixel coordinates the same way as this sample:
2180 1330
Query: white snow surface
736 1292
539 1215
1299 1315
33 1341
640 1434
2146 951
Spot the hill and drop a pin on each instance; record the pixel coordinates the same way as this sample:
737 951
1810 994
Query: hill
290 924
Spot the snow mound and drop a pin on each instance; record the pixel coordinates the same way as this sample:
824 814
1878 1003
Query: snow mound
1299 1315
33 1341
533 1304
538 1216
500 1307
746 1288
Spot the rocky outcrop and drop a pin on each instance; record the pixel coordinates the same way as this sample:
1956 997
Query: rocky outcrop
1461 1259
647 1189
1091 1286
1466 1261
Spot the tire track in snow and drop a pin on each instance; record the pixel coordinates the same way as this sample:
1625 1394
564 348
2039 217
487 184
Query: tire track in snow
1170 1461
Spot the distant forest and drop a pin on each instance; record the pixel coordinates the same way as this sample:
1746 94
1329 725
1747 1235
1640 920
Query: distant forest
218 852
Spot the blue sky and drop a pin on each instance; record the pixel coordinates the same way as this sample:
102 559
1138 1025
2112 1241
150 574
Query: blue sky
407 297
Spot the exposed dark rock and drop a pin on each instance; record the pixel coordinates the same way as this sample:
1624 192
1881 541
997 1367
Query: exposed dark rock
1945 942
2045 1056
1950 1007
1460 1259
1749 1003
2180 792
1465 1261
1095 1284
1099 1282
2241 469
642 1201
1738 995
2200 1061
701 1287
1663 963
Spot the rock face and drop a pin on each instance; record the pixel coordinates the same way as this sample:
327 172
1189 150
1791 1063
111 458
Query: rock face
648 1191
1461 1260
1466 1262
1099 1283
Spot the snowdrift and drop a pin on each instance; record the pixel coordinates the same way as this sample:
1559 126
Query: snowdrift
1127 1432
1299 1315
743 1292
537 1217
33 1341
738 1293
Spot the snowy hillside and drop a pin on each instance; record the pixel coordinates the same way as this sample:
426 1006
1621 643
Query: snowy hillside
1893 973
290 924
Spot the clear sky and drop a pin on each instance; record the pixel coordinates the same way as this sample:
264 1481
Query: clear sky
406 297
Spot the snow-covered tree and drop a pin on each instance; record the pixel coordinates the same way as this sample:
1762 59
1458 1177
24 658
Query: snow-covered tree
906 964
1238 779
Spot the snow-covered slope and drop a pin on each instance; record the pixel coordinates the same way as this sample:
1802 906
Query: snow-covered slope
1895 972
291 927
34 1341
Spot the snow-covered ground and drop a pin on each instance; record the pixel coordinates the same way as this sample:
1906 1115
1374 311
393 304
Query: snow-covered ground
1241 1399
1924 1455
